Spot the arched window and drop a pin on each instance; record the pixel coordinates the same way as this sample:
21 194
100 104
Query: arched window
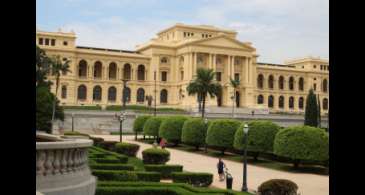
324 85
127 71
82 68
271 82
163 96
281 82
64 92
260 99
291 102
301 103
127 94
291 83
181 61
271 101
112 94
98 70
112 70
140 73
81 92
97 93
260 81
281 102
140 95
301 84
325 104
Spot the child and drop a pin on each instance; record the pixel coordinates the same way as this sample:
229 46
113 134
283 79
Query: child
163 143
220 166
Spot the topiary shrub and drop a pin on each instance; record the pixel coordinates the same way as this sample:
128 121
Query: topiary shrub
127 149
302 143
155 156
278 187
196 179
114 175
194 132
261 136
148 176
139 124
165 170
170 129
221 133
152 126
112 166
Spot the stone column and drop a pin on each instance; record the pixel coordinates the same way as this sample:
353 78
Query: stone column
194 63
214 63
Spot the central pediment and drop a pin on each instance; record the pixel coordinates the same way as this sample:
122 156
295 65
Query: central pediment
223 41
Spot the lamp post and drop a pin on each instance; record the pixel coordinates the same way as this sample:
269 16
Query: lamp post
121 119
72 121
206 147
244 182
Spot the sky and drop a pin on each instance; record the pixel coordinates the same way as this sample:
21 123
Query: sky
279 29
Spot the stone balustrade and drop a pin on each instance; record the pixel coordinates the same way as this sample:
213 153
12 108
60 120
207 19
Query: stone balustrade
62 167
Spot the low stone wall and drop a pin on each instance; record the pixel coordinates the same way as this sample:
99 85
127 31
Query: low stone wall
62 167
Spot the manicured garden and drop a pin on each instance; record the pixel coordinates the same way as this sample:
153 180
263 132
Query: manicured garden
120 172
268 144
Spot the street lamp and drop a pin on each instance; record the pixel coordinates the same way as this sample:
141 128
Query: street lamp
244 183
122 117
72 116
206 123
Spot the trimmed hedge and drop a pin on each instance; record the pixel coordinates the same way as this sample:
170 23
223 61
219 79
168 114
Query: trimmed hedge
139 123
122 158
152 125
108 159
134 191
148 176
108 166
196 179
75 133
194 132
221 133
155 156
278 186
180 188
114 175
261 136
165 170
97 140
302 143
127 149
170 128
108 145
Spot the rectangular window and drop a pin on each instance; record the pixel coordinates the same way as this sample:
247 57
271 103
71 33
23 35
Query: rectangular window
321 67
163 76
218 75
47 42
53 42
40 41
182 75
65 43
314 86
314 66
236 76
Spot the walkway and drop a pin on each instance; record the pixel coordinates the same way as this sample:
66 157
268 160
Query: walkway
309 184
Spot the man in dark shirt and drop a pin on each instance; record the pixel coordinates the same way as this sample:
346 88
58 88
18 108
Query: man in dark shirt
220 166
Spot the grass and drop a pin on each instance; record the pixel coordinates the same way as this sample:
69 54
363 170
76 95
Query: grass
261 162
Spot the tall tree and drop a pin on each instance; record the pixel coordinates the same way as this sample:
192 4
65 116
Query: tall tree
319 111
311 110
203 84
43 66
234 84
59 66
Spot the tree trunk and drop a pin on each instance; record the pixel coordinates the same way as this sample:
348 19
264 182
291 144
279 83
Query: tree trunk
135 137
203 109
197 147
222 151
255 156
54 102
296 164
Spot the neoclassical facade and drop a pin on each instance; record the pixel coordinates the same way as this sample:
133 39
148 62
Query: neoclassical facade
164 66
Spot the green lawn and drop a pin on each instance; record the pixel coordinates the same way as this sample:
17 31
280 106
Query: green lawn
261 162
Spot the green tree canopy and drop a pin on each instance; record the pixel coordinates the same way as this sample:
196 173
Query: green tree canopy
311 110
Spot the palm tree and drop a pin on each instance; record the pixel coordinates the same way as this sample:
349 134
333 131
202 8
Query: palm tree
58 67
234 83
203 84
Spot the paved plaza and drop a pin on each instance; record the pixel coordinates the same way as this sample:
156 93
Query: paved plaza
309 184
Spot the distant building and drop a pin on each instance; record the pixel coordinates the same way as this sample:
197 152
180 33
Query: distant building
175 55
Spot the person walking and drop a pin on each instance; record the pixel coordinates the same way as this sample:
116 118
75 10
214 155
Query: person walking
163 143
220 167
